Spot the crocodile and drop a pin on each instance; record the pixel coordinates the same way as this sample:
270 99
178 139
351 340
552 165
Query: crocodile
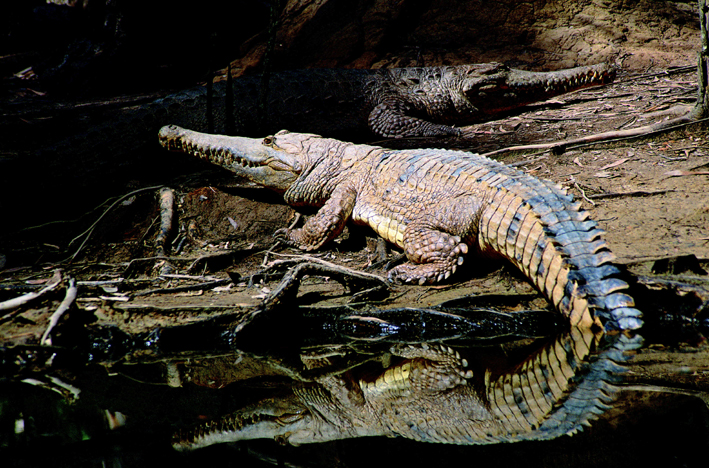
352 103
439 206
434 393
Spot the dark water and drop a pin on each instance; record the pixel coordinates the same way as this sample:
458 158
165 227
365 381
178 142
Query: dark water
64 417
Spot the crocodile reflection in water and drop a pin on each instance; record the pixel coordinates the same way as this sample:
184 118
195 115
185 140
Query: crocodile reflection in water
431 392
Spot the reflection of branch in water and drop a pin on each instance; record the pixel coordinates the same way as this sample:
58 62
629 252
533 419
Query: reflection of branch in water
433 393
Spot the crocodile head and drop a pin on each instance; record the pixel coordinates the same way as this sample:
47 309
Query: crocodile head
494 87
255 159
286 420
296 164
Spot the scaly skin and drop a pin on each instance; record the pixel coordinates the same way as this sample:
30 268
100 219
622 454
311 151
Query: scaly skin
439 206
392 103
433 395
340 103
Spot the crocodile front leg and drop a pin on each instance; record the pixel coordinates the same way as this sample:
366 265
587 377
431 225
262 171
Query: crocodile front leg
326 225
433 256
390 120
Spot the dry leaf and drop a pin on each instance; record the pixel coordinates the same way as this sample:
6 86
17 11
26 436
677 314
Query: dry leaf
679 173
614 164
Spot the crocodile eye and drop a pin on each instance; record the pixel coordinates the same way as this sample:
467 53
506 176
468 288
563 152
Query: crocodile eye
268 141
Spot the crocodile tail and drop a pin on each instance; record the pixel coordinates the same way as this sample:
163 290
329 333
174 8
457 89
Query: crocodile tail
544 232
562 387
596 389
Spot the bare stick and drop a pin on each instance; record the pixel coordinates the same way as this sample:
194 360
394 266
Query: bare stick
635 193
561 146
583 194
167 200
288 287
57 315
25 298
338 268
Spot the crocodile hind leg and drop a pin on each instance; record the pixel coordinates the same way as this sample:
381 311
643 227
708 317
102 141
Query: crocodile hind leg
433 256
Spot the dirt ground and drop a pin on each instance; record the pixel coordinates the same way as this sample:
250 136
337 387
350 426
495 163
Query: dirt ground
651 195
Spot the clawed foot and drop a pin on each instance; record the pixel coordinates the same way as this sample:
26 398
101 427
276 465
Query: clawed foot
435 266
442 367
283 235
294 238
422 274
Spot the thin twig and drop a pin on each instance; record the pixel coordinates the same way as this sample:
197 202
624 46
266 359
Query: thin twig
90 230
583 194
335 267
635 193
57 315
25 298
187 288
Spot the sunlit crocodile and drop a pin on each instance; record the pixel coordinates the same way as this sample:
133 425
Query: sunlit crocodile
439 206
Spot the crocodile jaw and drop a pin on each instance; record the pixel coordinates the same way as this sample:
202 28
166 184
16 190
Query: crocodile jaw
286 421
252 158
511 88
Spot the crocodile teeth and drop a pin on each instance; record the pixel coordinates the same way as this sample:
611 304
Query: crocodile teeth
388 377
464 362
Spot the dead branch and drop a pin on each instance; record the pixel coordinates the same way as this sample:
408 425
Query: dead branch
25 298
167 201
583 194
57 315
186 288
634 193
288 287
559 147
